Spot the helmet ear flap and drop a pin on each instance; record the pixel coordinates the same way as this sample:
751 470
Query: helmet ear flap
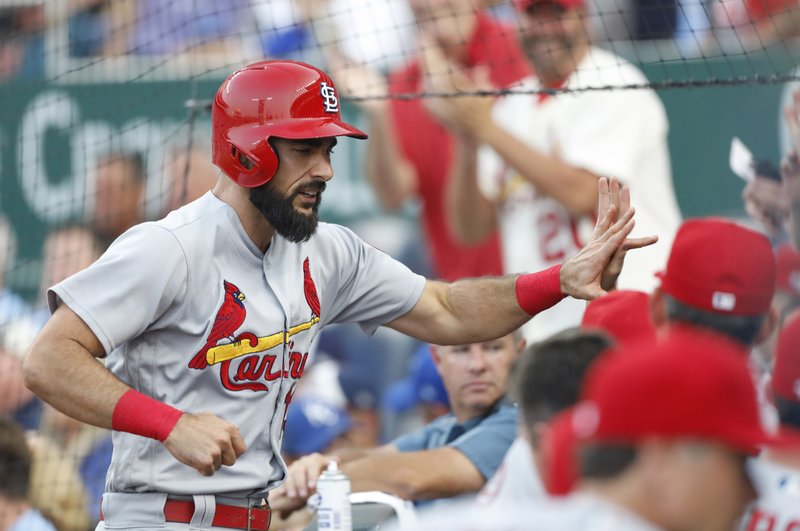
254 171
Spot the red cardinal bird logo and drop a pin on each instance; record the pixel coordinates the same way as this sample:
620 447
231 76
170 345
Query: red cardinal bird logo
229 318
310 290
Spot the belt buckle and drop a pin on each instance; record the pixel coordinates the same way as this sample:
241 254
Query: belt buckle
249 515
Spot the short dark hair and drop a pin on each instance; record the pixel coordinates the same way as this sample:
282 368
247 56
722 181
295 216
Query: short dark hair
15 461
605 460
788 412
550 373
741 328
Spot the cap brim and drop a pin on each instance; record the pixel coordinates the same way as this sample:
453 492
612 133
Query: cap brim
248 137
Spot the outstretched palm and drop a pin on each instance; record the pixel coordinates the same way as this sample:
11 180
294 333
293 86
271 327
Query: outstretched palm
594 270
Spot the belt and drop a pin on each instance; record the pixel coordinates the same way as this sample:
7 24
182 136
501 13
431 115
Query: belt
231 516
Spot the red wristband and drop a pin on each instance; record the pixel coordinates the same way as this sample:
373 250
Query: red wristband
141 415
537 292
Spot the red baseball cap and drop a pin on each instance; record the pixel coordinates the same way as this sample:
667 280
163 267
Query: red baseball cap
786 371
720 266
691 384
788 270
623 314
523 5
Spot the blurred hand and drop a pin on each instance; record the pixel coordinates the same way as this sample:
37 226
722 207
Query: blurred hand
766 202
469 114
356 81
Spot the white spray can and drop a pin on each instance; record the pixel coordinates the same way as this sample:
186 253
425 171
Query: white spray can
333 495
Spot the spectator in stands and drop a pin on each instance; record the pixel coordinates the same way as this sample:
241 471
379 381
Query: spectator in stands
56 487
12 306
16 512
776 470
186 187
361 387
119 189
548 380
314 425
152 27
790 169
86 447
422 390
787 294
16 401
453 455
530 164
410 154
22 42
88 27
765 201
67 249
653 443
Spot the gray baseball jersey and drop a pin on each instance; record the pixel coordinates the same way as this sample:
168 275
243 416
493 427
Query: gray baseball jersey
192 313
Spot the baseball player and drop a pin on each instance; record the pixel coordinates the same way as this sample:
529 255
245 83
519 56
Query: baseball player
777 471
206 317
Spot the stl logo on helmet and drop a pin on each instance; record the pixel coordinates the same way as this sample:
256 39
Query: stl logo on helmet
242 356
329 96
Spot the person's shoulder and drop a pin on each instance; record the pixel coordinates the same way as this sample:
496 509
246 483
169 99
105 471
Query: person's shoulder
601 68
332 233
445 422
207 206
506 410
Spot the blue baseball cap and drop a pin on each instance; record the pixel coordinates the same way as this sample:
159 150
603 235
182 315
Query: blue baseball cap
312 425
422 386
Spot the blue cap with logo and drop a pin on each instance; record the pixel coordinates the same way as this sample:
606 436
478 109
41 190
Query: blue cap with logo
312 425
422 386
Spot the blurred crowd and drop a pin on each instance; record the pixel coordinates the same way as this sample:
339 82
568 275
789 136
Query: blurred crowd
377 33
504 186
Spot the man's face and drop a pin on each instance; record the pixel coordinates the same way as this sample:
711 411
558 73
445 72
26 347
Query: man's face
550 33
710 489
449 22
476 375
290 200
118 196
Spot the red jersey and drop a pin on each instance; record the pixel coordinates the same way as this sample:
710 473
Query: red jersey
428 147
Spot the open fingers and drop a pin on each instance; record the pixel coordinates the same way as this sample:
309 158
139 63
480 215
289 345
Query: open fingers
613 193
638 243
618 227
602 201
624 198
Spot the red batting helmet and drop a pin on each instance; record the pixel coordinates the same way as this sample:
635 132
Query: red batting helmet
287 99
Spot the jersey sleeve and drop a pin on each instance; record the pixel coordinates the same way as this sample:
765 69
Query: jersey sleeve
486 444
373 288
133 284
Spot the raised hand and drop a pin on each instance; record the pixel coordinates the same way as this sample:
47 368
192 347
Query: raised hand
594 270
366 86
205 442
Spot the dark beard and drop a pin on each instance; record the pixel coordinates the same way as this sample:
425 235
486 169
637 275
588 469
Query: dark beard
281 213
